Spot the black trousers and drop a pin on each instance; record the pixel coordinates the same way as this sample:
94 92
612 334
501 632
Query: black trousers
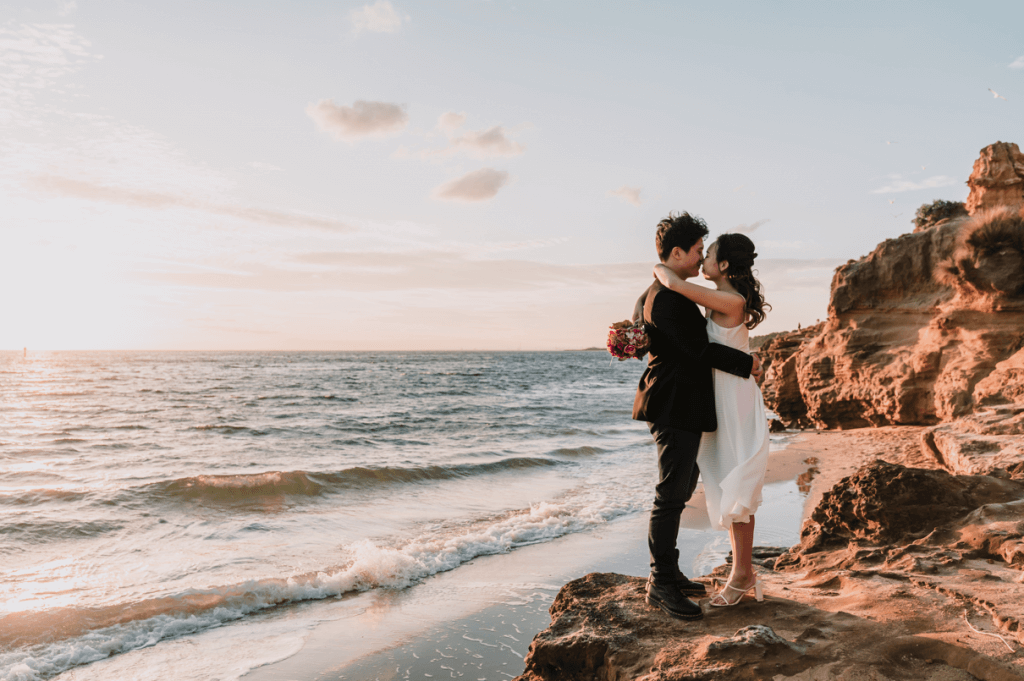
677 478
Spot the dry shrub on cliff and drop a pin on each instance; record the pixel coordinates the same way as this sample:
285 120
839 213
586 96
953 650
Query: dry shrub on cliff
930 213
989 255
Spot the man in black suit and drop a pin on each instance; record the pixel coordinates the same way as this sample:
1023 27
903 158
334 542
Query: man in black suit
677 400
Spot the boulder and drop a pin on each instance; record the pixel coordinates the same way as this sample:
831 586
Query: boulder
986 442
885 503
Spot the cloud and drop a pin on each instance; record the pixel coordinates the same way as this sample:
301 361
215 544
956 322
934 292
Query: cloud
491 142
410 295
506 246
264 168
427 269
478 185
79 189
747 229
626 193
450 121
362 119
34 56
406 271
899 185
1018 63
379 17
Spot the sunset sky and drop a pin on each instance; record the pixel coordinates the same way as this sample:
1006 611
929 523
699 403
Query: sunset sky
461 175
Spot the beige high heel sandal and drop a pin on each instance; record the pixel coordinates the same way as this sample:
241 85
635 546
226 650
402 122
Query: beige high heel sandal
756 586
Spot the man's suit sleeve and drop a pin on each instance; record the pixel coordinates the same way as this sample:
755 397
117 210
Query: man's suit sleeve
692 341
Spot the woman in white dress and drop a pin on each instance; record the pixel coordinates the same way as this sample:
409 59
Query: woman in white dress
732 459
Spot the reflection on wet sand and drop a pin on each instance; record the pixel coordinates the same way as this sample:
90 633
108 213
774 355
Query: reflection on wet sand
804 480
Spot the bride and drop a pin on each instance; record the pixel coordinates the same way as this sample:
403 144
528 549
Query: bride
732 459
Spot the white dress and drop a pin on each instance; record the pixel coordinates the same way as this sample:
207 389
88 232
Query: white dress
733 458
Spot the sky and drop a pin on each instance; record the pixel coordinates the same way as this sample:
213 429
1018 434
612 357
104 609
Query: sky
464 174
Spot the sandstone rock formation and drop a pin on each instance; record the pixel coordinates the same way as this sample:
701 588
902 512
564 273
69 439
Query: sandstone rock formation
986 442
927 328
997 178
602 629
890 504
901 573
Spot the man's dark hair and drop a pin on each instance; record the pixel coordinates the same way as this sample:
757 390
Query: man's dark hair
681 230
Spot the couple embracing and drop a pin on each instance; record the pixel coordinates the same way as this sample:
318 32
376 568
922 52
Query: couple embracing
700 398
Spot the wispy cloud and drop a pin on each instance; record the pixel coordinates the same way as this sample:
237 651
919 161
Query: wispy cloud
379 17
362 119
435 269
1017 63
67 187
34 56
628 194
901 185
408 293
785 274
361 271
747 229
54 137
487 143
493 141
450 121
478 185
506 246
264 168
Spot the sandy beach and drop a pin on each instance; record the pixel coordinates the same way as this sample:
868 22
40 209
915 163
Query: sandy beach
478 622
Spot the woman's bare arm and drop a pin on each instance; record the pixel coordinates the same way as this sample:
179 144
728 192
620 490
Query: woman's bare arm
731 304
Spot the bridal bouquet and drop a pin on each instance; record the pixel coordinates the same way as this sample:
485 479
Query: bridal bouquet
627 339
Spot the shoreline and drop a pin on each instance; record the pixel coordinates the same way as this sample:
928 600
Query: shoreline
482 617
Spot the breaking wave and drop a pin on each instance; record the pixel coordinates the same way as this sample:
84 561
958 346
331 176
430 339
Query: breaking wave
54 641
303 483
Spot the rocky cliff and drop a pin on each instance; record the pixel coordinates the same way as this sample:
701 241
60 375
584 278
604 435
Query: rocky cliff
927 328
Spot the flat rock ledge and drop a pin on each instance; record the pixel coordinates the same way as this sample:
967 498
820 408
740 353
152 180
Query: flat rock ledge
901 573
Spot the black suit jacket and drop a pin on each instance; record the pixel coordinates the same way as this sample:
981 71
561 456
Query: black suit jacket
677 390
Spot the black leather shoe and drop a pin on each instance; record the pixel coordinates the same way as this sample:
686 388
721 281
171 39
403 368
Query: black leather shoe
684 584
668 597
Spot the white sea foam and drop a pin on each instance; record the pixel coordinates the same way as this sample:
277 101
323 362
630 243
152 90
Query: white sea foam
371 566
189 486
223 653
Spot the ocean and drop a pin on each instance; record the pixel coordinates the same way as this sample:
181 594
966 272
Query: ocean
148 497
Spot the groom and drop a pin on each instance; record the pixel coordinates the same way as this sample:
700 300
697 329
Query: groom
676 398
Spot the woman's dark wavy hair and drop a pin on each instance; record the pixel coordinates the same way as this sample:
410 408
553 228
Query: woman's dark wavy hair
738 251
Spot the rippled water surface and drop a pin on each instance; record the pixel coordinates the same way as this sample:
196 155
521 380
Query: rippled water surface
149 495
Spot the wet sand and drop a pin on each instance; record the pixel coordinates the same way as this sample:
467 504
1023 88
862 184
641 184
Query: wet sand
477 622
